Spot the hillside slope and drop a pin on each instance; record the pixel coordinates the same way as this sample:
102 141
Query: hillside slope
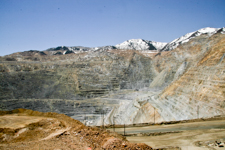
26 129
194 72
127 86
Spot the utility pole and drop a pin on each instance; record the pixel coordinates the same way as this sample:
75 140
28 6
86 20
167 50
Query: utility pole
103 119
85 119
113 123
154 115
124 130
198 111
103 115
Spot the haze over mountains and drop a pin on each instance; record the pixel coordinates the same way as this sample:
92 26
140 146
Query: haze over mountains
136 81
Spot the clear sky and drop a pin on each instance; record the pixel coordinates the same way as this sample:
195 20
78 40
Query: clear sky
41 24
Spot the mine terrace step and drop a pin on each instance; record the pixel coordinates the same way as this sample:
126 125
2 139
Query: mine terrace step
95 90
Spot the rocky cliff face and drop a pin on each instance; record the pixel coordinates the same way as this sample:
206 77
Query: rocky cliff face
75 76
194 72
127 86
73 84
199 92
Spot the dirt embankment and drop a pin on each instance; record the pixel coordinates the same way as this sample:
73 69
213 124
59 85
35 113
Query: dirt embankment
27 129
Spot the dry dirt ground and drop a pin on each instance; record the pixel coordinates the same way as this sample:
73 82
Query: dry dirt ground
188 136
186 140
26 129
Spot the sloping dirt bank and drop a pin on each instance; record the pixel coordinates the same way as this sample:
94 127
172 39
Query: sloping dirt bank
27 129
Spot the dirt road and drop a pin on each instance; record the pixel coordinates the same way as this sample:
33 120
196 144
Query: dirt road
185 140
218 124
186 134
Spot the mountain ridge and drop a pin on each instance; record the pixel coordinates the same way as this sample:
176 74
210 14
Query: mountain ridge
185 38
134 44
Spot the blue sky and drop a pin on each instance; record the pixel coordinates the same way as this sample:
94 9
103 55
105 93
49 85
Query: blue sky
41 24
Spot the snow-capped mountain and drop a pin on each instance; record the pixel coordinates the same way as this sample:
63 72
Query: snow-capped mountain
105 48
133 44
137 44
158 45
140 44
183 39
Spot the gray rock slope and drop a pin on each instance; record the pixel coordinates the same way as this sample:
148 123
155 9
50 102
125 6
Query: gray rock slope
127 86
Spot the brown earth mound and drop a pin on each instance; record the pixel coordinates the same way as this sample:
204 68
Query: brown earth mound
27 129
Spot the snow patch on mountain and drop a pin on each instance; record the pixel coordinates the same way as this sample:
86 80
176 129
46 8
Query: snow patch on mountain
158 45
183 39
137 44
140 44
103 48
223 30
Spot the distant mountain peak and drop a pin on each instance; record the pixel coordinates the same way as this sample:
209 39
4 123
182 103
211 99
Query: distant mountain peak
140 44
208 30
132 44
183 39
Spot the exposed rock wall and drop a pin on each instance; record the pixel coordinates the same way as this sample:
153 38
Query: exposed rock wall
88 76
197 72
200 91
127 86
49 84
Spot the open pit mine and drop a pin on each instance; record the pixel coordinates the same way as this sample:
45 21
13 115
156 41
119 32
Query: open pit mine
137 81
